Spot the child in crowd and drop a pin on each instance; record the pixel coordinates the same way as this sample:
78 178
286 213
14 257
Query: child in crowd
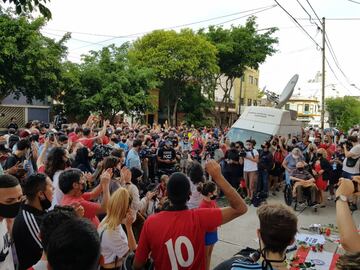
209 192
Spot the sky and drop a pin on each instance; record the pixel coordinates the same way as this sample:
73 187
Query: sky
93 22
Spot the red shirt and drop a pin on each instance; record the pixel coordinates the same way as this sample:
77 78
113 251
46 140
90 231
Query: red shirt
90 208
208 204
330 150
176 238
73 137
87 142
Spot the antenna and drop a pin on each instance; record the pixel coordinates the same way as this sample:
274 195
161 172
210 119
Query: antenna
287 92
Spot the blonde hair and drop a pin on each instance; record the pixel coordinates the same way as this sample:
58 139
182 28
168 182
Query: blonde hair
117 209
322 151
313 146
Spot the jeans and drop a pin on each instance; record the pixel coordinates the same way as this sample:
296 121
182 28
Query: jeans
263 184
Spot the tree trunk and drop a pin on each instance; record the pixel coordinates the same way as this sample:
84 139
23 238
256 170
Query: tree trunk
175 112
168 111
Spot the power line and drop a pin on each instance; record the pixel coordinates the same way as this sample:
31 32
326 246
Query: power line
336 77
258 10
313 10
310 17
356 2
57 35
317 44
177 26
334 19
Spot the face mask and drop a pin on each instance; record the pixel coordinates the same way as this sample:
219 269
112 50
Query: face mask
9 210
65 146
213 197
115 140
319 155
300 169
294 141
45 203
123 140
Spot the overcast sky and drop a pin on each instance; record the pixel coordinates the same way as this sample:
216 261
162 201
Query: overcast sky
297 52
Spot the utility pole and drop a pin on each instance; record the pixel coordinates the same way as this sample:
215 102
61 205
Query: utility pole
323 76
241 80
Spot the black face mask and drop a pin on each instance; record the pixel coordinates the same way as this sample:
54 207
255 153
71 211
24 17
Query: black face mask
9 210
115 140
300 169
213 197
45 203
123 140
319 155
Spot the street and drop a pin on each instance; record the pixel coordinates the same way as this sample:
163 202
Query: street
241 232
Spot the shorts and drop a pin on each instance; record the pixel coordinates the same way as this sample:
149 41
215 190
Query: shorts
211 238
251 180
348 175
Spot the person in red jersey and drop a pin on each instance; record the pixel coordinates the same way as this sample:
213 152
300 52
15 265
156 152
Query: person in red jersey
175 236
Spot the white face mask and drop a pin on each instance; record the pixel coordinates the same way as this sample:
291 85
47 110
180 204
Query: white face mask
65 146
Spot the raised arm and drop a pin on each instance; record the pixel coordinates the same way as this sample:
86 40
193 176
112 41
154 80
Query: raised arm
237 204
349 236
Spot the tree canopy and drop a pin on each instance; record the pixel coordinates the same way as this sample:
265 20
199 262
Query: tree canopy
24 6
106 82
239 47
30 63
178 59
344 112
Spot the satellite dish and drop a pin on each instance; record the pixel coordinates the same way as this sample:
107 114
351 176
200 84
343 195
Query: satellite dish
287 92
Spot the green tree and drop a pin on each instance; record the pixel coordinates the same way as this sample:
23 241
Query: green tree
178 59
30 63
197 104
24 6
344 112
106 82
238 48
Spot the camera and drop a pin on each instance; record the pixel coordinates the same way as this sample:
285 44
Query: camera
242 153
145 153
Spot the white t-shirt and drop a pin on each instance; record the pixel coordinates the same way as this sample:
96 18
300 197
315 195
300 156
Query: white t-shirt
195 197
58 194
5 248
353 170
113 244
250 166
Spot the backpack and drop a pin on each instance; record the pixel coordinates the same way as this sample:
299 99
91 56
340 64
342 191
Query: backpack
278 157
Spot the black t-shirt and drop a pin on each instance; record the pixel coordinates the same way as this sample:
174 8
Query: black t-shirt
12 160
26 236
13 125
166 154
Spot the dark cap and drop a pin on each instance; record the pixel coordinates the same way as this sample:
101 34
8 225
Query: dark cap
178 188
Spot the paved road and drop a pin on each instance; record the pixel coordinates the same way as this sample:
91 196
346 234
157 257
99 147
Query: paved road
241 232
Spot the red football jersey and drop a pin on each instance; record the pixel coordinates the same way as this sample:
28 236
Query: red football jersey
176 238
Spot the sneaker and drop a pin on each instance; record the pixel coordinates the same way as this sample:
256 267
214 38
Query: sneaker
314 205
301 205
331 198
353 207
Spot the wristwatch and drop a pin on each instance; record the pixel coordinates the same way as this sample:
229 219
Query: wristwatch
341 198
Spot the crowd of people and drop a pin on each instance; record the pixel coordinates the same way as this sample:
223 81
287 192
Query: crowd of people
107 195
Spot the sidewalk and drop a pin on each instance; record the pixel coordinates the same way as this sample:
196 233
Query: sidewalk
241 232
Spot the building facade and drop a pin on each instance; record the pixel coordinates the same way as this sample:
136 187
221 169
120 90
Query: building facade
23 111
308 109
244 92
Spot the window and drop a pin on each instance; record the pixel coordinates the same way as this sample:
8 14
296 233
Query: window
251 79
256 81
243 78
287 106
255 102
307 108
300 108
242 101
249 102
